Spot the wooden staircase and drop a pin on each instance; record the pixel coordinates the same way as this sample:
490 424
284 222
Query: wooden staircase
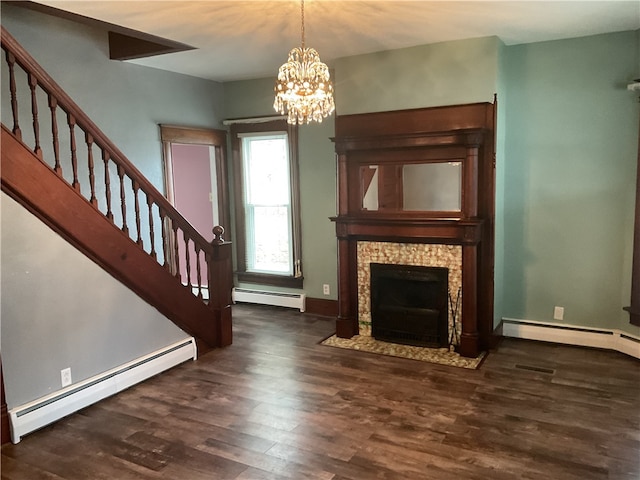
76 181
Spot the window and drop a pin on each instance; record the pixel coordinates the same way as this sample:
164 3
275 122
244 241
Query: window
267 203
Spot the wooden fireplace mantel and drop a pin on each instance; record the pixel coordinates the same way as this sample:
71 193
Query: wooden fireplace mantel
460 134
410 230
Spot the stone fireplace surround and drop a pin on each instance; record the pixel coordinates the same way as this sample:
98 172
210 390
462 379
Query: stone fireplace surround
425 255
462 133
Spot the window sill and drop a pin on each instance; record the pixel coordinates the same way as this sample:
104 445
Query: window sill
273 280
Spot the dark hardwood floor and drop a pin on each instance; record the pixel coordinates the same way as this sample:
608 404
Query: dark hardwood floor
277 405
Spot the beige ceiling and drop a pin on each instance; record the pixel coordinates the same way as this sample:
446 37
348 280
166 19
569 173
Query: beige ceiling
237 39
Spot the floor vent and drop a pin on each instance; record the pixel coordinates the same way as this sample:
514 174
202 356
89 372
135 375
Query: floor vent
533 368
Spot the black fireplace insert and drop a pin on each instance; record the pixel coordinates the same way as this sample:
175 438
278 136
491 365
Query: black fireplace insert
409 304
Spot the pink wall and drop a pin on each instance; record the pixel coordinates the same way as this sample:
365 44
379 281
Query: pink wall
191 167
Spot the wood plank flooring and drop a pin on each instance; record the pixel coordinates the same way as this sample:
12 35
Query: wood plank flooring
277 405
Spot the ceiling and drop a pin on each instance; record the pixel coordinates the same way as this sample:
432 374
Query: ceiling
237 39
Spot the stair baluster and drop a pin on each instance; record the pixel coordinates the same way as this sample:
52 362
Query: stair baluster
136 204
11 61
123 201
152 252
53 105
107 184
33 83
71 121
92 178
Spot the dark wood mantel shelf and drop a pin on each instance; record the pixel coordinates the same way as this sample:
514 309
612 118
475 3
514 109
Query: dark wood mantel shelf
415 230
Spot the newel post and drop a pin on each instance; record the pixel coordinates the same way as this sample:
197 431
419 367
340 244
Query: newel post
220 285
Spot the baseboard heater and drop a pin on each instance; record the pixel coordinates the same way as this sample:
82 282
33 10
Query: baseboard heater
48 409
278 299
572 335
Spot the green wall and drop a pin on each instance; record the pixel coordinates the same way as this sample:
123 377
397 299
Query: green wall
571 130
446 73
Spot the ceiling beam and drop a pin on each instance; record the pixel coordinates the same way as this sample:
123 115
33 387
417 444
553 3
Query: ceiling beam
124 43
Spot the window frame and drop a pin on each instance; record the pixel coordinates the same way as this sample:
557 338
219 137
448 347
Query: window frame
291 281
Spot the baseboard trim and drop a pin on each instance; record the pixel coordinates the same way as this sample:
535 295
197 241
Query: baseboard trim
322 306
609 339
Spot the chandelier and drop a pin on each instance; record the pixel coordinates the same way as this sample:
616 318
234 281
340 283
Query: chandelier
303 89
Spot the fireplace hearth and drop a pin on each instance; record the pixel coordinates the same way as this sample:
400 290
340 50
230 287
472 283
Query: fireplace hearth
409 304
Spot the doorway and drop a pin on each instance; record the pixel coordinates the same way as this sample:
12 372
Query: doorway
196 185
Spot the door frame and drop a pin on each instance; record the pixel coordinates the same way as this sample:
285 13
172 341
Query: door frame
217 139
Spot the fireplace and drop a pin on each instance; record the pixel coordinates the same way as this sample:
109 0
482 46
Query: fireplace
409 304
418 181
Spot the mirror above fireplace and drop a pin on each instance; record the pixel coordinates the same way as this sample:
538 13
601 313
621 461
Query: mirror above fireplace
419 187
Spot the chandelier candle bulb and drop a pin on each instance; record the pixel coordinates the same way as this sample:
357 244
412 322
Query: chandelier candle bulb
303 89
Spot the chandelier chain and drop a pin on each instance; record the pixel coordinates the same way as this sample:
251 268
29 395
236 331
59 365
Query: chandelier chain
302 24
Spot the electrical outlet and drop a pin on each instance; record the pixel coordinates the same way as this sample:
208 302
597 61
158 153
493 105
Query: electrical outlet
326 290
558 313
65 377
